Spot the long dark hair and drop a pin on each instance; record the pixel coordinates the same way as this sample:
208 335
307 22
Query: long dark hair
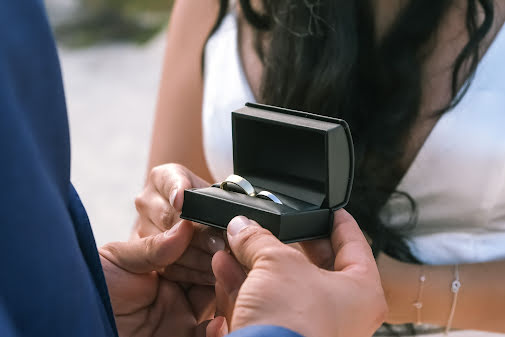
323 57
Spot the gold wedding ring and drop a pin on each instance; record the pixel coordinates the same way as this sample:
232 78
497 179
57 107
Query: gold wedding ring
269 196
236 183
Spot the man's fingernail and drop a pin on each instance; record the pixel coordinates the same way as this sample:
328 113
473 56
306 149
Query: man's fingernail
171 197
238 224
216 244
173 230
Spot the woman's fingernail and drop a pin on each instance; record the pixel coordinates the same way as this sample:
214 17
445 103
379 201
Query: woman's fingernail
173 230
215 244
237 224
173 194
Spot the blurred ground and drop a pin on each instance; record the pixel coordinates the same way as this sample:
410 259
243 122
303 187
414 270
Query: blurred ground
111 93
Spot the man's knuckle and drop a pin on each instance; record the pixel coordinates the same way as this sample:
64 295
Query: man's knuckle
109 250
149 252
249 236
290 253
272 254
282 254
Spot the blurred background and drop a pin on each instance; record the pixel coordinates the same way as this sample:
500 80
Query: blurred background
111 54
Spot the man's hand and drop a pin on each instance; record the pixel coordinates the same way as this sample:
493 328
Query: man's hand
159 207
284 288
144 303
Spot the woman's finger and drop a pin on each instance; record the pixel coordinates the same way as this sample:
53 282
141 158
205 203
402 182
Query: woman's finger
161 213
152 205
171 180
145 227
161 200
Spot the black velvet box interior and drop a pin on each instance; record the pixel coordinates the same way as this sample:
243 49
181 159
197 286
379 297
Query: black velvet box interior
306 160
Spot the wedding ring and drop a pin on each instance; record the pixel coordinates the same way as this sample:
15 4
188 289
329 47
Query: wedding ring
238 184
269 196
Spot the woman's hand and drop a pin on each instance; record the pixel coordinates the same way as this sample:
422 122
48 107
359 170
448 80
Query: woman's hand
144 303
284 288
401 283
159 207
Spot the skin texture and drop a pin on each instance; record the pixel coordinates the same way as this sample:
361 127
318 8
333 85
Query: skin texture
144 303
147 304
284 288
481 303
481 299
178 113
159 207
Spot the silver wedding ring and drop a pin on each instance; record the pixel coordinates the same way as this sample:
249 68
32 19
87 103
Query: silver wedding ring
236 183
269 196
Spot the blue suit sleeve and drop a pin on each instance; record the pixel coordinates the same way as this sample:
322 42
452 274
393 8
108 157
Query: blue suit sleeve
51 281
6 328
264 331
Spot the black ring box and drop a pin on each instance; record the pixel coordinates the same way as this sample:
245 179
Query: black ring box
306 160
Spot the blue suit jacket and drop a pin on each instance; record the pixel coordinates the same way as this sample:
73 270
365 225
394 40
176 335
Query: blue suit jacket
51 280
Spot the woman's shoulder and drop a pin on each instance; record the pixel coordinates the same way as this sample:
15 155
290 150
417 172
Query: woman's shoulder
190 24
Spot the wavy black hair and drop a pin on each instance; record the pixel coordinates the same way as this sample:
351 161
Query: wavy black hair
323 57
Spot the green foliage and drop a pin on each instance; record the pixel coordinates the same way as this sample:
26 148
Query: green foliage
101 21
128 6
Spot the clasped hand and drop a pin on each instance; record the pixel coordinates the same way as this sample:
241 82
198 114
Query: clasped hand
283 287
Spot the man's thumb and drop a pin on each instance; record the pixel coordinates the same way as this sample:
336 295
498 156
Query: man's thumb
150 253
250 242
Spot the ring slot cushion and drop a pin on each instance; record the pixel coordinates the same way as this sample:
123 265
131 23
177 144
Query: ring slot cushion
306 160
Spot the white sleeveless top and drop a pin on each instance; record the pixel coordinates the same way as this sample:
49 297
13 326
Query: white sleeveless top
457 179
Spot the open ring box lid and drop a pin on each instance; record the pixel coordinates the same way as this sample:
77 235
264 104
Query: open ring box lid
306 160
